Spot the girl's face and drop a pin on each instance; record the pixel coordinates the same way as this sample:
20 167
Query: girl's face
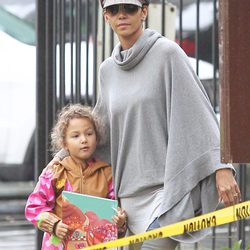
126 20
80 139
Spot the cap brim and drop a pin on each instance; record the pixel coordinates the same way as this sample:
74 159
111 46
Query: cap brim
113 2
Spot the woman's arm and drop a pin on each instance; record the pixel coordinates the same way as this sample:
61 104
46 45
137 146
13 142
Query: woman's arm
58 157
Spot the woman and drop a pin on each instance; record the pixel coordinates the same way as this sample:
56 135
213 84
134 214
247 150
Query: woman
163 134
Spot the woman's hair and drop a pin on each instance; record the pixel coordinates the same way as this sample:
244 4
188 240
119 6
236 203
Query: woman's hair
68 113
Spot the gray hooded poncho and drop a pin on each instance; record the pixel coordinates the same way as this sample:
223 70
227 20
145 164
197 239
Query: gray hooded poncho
164 135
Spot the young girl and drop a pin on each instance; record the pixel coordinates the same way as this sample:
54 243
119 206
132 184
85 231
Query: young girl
77 131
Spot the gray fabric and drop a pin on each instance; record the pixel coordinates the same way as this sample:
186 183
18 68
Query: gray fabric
202 199
62 154
163 130
107 3
159 244
128 59
143 209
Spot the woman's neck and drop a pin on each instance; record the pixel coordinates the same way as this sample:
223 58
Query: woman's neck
128 42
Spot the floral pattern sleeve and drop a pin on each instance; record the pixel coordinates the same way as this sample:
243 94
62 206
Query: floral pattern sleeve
40 203
111 193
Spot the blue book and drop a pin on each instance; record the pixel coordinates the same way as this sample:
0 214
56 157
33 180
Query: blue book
89 218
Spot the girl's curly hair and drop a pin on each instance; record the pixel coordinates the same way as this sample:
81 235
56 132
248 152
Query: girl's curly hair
68 113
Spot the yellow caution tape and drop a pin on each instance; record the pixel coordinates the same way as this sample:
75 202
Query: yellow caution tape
219 217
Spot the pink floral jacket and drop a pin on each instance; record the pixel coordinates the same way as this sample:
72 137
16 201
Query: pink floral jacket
43 206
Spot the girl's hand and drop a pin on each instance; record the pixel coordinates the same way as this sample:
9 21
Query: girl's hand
227 187
120 218
61 230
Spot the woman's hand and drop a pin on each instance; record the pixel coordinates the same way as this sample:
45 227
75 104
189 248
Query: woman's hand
61 230
227 187
120 218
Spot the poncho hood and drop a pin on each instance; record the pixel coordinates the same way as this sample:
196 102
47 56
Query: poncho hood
128 59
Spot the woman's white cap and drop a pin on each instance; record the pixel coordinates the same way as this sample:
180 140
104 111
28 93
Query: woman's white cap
107 3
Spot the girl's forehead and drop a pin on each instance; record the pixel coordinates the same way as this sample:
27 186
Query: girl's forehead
80 121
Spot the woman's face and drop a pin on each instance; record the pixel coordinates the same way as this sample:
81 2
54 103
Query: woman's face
127 21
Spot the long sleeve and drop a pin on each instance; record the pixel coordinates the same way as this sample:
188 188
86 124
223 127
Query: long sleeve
193 131
193 152
62 154
111 193
100 109
40 203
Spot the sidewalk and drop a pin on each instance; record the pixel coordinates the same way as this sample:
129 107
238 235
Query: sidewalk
13 196
15 231
15 190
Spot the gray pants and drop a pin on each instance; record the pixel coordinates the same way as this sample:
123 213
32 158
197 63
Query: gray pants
158 244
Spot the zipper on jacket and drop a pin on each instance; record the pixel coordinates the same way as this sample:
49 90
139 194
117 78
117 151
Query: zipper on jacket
81 180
